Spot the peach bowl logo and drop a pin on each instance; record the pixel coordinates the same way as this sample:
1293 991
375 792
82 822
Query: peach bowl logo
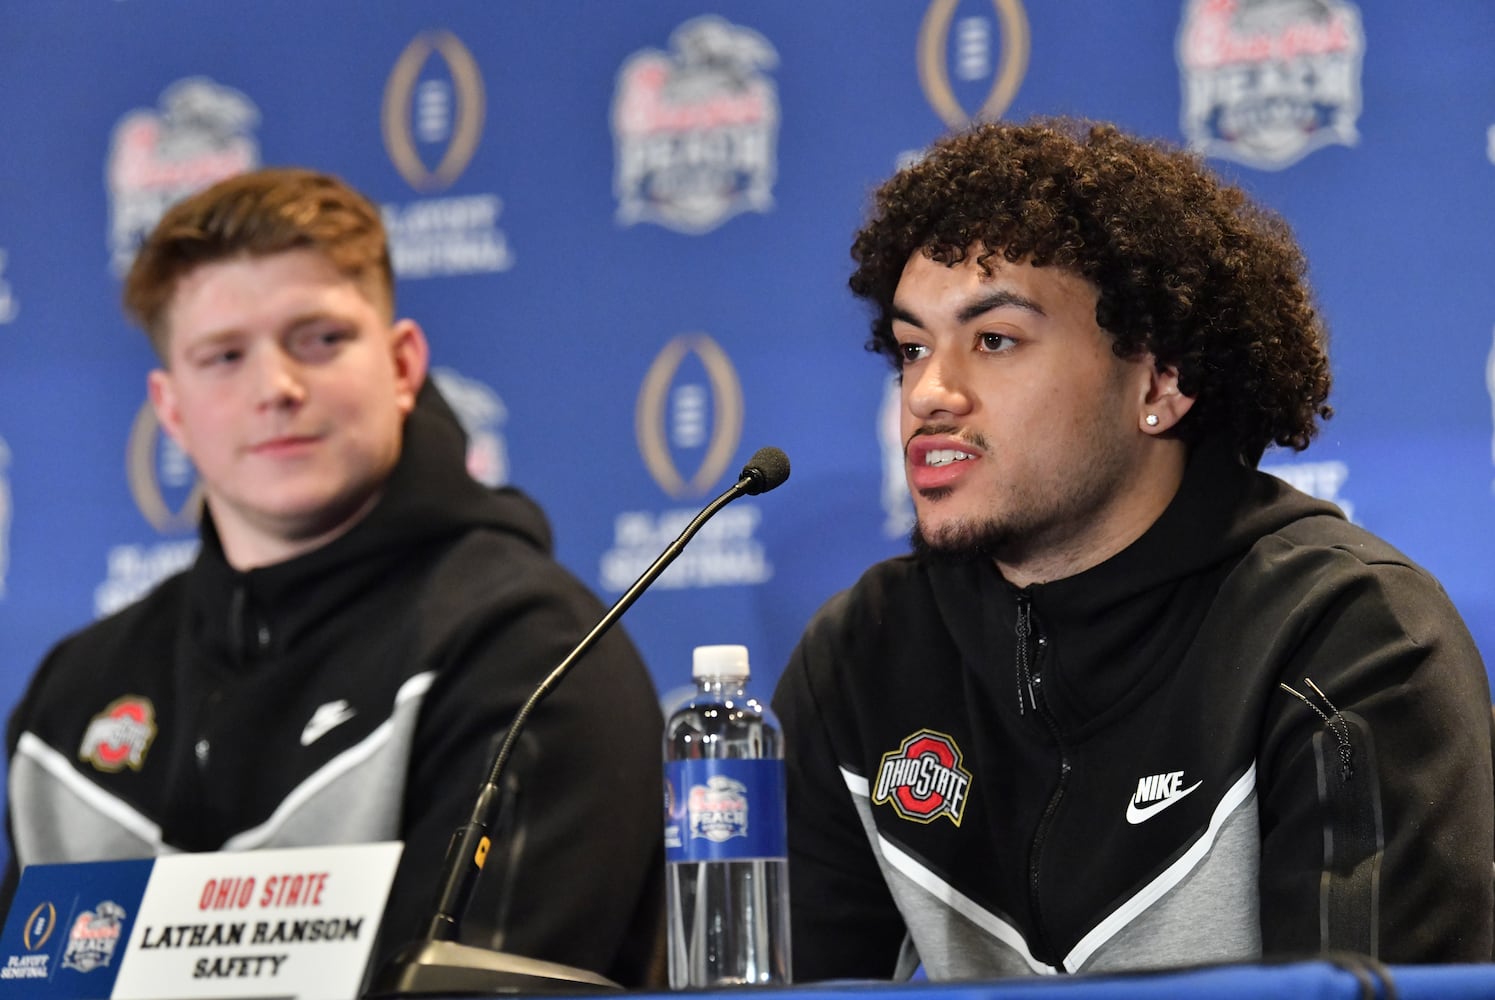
94 937
696 128
972 59
199 136
1266 82
119 736
482 415
718 810
923 779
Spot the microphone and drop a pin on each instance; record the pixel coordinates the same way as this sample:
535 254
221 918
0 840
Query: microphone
766 470
437 965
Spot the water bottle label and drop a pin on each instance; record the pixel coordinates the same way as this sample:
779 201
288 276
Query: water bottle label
724 810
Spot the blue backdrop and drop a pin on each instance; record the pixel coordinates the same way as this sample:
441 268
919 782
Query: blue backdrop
624 227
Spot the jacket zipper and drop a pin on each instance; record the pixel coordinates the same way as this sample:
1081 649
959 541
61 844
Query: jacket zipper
1031 677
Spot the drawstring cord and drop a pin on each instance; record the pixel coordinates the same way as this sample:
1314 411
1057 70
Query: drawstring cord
1336 725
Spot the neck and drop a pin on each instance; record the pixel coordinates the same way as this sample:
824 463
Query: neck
256 544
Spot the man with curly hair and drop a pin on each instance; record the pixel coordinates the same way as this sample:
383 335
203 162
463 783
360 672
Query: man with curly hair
1130 703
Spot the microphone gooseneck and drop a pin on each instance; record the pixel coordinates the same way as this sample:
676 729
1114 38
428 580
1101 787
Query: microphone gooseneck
766 470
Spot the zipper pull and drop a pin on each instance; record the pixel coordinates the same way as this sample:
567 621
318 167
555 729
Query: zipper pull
1024 632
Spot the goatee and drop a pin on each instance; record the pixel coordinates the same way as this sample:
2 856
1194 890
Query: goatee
959 543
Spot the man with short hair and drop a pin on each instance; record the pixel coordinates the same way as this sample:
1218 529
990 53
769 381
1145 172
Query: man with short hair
362 621
1130 703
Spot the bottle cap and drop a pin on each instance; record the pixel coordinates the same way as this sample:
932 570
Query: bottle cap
720 661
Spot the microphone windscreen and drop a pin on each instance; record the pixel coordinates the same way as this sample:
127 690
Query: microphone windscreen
766 470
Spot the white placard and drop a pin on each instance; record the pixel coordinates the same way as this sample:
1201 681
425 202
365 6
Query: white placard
278 923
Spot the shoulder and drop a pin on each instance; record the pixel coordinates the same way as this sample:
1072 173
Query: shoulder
487 570
1335 535
871 622
1334 591
111 642
495 604
130 648
1338 561
882 592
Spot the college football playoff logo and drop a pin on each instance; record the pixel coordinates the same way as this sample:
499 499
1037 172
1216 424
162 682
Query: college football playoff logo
973 60
155 464
417 109
674 410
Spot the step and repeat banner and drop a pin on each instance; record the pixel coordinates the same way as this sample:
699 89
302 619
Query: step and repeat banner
624 226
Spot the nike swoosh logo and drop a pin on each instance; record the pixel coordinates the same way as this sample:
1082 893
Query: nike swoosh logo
1135 815
325 719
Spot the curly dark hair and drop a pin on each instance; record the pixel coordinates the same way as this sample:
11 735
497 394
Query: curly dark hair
1187 266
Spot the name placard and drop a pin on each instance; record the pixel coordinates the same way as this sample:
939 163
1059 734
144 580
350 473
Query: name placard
276 923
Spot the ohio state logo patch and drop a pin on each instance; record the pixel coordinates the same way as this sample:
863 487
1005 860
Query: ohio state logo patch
923 780
119 736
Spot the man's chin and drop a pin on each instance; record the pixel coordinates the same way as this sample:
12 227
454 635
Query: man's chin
959 541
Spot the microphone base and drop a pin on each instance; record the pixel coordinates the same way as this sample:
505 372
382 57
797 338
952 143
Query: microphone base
449 969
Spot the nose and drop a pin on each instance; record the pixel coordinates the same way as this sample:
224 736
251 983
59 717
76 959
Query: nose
278 379
936 387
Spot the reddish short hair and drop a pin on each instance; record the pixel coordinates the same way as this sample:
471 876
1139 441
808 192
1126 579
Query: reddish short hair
255 214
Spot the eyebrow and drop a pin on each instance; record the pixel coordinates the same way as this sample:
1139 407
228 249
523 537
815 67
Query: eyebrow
213 339
316 318
999 299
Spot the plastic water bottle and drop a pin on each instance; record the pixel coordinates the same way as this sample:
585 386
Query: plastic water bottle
728 868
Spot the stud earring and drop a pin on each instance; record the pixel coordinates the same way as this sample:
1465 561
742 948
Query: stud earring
1152 420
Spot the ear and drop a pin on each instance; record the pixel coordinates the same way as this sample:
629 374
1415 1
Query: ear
161 390
1162 405
412 356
